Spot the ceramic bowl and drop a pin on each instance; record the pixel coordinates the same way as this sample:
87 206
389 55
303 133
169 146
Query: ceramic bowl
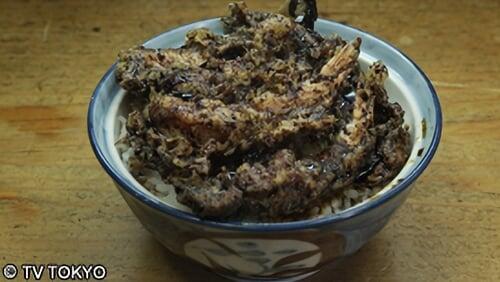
291 250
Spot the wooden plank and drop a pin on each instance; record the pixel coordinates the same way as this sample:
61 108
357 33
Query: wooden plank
58 205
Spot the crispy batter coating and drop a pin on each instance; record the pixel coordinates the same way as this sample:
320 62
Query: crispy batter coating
258 122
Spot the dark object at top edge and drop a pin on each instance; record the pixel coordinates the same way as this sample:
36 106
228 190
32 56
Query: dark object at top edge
310 15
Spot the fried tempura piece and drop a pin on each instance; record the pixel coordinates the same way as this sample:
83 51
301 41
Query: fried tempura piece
259 122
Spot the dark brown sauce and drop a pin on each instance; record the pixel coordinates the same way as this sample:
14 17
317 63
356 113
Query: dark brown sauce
424 127
420 152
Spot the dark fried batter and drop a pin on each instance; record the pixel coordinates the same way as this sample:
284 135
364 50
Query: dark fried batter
259 122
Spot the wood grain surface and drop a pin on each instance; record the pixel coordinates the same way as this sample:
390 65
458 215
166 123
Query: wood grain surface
57 205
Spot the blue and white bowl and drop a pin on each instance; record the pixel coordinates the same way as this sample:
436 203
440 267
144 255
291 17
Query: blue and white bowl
274 251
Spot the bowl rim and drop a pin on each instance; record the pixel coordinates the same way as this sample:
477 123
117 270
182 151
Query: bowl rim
122 181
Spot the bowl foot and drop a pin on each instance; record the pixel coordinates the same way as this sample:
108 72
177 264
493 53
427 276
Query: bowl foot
251 279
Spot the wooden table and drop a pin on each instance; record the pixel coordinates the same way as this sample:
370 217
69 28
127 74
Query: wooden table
58 206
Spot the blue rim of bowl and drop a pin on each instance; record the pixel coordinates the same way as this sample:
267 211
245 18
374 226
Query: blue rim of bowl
270 227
